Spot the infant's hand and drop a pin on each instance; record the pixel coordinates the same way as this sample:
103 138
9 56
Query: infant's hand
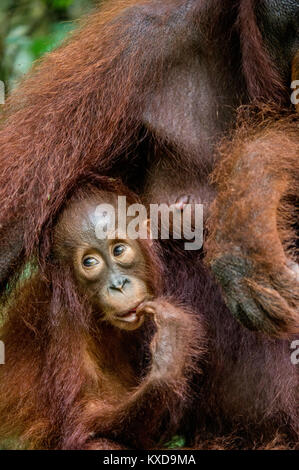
166 344
148 307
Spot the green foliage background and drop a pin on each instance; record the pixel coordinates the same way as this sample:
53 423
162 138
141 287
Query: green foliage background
30 28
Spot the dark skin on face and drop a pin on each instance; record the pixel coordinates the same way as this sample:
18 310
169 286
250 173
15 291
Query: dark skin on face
110 271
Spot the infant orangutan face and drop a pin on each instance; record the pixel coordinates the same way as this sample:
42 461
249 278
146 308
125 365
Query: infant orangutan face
111 271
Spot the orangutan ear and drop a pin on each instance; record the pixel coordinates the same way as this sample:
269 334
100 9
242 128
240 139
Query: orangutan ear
295 81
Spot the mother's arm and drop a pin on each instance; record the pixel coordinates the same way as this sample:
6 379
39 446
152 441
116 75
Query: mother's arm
253 224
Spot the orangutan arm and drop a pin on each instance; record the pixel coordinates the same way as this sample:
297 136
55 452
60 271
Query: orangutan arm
133 416
251 227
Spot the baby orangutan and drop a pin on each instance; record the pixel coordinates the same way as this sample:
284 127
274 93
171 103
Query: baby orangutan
112 272
96 358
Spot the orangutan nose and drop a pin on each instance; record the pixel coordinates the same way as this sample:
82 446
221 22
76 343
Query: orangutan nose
118 283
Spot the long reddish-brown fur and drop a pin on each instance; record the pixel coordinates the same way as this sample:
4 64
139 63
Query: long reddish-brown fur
256 213
72 381
81 113
88 96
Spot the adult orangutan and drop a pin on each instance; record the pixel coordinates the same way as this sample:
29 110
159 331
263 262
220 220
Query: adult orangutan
145 91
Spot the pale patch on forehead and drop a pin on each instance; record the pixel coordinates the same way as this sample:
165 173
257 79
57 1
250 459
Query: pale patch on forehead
95 219
102 220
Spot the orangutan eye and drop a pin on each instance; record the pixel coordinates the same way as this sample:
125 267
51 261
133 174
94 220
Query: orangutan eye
123 253
90 261
119 250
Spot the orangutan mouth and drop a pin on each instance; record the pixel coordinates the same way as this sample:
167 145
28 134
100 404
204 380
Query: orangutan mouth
130 316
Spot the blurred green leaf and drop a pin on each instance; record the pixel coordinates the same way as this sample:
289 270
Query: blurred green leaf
31 28
59 4
43 44
62 3
176 442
